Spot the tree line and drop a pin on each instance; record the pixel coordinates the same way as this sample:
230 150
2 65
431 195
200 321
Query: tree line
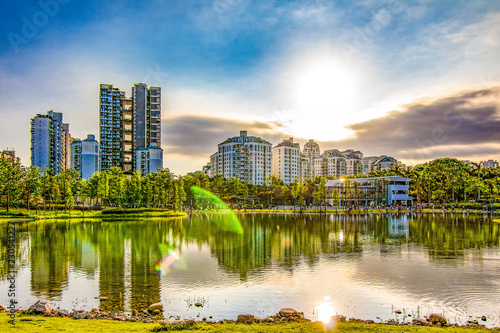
441 180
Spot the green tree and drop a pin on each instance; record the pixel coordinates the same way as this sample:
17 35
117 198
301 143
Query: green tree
11 174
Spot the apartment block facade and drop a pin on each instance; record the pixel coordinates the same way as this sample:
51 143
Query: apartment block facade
247 158
149 159
128 124
110 126
85 156
354 162
312 152
50 142
331 163
286 159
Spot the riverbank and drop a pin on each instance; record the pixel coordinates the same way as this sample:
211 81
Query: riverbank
23 215
27 215
39 323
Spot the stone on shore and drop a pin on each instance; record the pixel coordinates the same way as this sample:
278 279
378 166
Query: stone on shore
287 312
437 318
245 318
3 308
62 313
155 306
42 306
420 322
80 315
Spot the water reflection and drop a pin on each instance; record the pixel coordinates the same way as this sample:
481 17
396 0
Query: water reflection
122 255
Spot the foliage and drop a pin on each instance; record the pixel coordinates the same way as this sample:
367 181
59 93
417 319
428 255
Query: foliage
444 180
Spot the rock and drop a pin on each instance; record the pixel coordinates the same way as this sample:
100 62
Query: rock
257 319
101 298
80 315
94 310
42 306
156 312
63 313
3 308
287 312
483 318
398 311
437 318
268 320
198 304
245 318
369 321
420 322
155 306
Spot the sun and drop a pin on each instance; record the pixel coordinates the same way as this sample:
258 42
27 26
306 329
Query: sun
322 99
324 86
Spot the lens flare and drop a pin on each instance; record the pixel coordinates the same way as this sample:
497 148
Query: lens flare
206 200
325 312
163 267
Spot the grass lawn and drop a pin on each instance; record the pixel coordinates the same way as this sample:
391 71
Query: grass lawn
49 324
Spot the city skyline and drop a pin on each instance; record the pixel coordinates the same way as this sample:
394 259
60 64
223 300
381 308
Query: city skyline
416 82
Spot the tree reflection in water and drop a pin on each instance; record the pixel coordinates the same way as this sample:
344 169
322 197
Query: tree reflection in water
124 253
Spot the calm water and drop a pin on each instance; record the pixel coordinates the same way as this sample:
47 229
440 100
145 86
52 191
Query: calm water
362 266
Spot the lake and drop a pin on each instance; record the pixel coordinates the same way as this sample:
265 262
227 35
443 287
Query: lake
362 266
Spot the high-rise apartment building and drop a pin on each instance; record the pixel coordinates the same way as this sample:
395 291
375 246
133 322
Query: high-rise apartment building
286 161
247 158
85 156
128 124
110 126
49 141
128 135
331 163
312 151
354 162
66 140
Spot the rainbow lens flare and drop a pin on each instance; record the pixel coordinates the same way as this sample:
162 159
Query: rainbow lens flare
205 199
163 267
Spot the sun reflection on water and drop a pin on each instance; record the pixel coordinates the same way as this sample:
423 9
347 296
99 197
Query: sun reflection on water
326 314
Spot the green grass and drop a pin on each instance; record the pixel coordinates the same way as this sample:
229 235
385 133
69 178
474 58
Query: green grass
48 324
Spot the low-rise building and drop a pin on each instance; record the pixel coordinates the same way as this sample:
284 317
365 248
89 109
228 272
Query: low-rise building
490 164
373 191
9 154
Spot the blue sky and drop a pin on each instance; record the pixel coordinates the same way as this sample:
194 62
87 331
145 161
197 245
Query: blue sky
323 70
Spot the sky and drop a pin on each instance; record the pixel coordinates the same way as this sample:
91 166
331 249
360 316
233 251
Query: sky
415 80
